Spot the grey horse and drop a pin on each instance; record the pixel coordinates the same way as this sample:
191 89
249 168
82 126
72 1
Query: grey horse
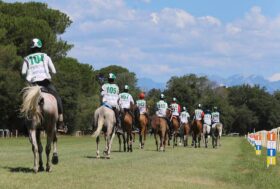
40 111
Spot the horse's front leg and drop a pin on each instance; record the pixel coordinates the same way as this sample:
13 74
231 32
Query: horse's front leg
199 139
50 137
40 150
33 141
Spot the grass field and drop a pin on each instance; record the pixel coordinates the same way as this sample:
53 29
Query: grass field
234 165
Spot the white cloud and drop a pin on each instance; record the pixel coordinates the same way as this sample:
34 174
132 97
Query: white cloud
274 77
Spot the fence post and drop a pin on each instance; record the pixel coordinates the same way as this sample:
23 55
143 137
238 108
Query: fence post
271 149
258 143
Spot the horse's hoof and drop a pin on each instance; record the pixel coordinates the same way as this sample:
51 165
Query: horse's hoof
41 168
108 157
35 170
55 159
48 169
98 157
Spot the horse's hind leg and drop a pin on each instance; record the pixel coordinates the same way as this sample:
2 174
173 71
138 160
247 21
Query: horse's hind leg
50 137
55 154
40 150
97 147
120 142
32 138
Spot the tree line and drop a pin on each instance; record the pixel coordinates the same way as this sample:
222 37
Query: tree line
243 108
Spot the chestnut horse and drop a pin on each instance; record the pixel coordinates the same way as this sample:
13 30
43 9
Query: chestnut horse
127 121
40 111
186 131
160 127
176 125
143 126
196 129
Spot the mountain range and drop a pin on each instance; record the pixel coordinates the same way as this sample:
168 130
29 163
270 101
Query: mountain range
237 79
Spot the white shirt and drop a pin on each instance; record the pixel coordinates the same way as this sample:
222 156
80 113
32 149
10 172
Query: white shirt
184 116
141 104
216 117
161 108
207 119
110 94
198 114
125 100
37 67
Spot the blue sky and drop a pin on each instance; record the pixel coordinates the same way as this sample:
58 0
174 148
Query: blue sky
158 39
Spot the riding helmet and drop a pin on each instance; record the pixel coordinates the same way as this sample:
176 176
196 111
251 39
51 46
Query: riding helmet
36 43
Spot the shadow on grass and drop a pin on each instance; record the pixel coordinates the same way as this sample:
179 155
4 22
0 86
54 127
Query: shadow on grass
19 169
94 157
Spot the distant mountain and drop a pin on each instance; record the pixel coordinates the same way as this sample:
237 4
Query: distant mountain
239 79
147 84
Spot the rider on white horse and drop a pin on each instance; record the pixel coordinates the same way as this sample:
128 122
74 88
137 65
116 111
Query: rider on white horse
37 67
110 97
207 120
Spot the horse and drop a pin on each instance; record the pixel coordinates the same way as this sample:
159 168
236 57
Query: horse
40 112
127 121
160 127
176 125
206 133
143 126
216 131
104 117
196 128
185 127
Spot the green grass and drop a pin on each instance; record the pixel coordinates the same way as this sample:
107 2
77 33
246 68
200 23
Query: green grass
234 165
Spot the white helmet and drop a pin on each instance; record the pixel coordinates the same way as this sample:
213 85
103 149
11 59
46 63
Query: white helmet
184 108
199 106
36 43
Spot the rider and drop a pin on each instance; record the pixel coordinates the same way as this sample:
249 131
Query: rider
198 113
184 118
110 97
175 109
126 102
162 107
207 118
215 117
142 106
37 67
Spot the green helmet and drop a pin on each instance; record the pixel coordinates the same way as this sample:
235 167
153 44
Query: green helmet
215 108
36 43
112 76
174 99
126 87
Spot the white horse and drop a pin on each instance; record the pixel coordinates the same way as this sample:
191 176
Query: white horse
104 116
216 130
40 112
206 133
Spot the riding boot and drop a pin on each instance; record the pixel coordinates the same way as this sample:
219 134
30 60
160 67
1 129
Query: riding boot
61 127
118 121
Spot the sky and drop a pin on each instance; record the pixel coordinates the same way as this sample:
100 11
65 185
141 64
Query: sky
158 39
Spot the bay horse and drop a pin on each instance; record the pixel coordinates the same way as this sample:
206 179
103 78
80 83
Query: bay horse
186 131
143 126
40 112
127 121
216 132
104 118
160 127
196 128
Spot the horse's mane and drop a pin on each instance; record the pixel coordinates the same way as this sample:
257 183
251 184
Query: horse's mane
30 107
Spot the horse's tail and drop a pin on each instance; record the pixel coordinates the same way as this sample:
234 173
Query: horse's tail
97 124
30 106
